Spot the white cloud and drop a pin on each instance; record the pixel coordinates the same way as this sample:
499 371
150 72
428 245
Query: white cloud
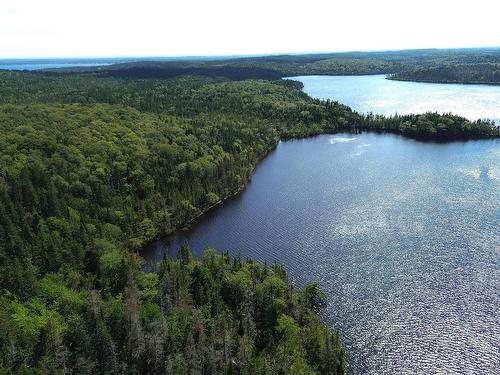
201 27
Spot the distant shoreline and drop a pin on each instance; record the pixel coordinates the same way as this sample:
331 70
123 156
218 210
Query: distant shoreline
390 78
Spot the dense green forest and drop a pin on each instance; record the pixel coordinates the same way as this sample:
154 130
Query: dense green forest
480 65
81 187
84 185
93 166
280 104
488 72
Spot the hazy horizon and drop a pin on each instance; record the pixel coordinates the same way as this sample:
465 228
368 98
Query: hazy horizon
195 56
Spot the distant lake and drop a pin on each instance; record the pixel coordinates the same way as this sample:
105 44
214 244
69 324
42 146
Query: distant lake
376 94
52 63
403 235
37 64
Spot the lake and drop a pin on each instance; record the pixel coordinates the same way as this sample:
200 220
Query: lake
402 235
37 64
376 94
52 63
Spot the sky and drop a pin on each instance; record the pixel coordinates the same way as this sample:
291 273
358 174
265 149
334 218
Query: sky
98 28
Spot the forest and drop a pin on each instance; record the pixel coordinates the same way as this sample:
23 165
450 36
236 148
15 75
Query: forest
280 103
472 65
94 166
481 73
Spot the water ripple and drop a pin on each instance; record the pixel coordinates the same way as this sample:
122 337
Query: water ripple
403 237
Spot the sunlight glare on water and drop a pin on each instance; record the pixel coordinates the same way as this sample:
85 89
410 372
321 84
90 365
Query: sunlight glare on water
376 94
403 236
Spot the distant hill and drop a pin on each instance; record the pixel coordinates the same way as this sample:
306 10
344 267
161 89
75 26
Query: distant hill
428 65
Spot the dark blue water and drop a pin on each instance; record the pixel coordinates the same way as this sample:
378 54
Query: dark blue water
403 235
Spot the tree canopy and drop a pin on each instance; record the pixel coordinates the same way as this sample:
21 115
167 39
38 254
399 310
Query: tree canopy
94 166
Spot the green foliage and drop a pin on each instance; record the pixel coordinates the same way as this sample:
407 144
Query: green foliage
159 324
484 68
95 165
54 291
432 126
313 296
480 65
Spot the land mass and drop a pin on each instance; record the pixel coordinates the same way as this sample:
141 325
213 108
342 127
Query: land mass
480 65
96 163
479 73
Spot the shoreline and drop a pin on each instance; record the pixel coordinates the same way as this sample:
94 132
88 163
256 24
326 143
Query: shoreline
284 137
206 210
388 77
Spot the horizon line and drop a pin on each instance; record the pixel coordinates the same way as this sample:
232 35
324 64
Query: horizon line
197 56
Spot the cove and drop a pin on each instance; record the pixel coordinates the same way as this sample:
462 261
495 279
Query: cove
402 235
